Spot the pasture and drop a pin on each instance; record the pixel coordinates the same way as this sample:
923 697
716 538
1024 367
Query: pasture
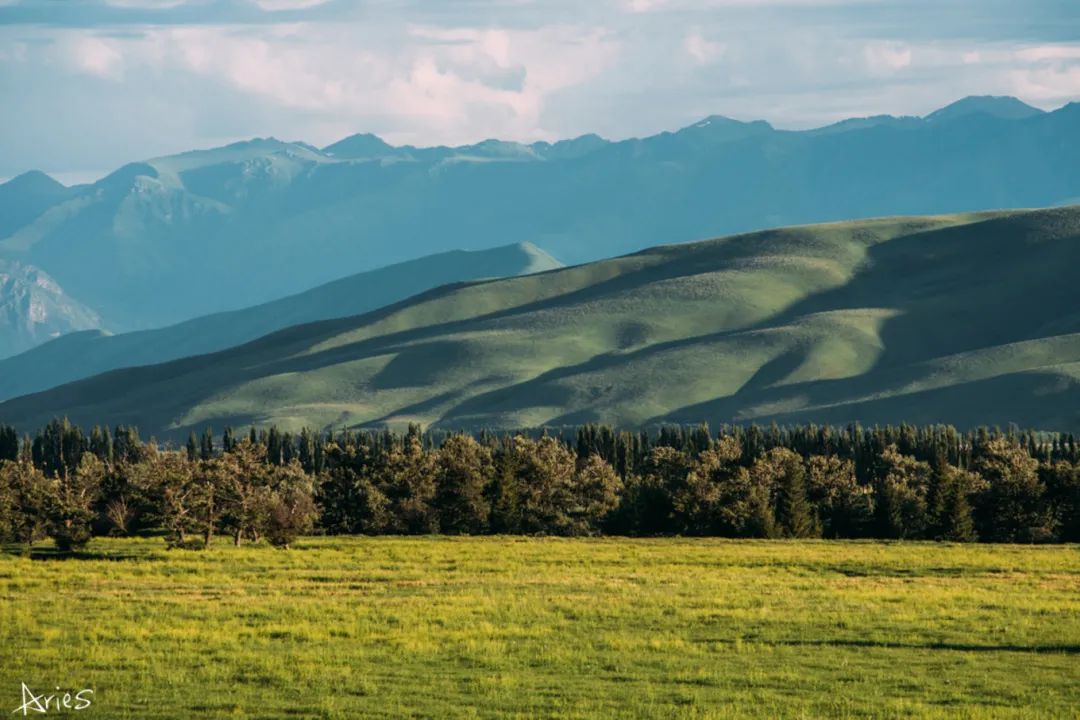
531 627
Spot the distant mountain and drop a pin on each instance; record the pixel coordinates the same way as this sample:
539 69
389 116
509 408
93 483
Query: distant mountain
88 353
363 146
963 319
34 308
177 237
1007 108
24 198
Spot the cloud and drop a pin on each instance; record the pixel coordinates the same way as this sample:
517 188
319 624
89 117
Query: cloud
97 56
276 5
1047 85
440 85
1044 53
93 83
151 4
701 50
887 57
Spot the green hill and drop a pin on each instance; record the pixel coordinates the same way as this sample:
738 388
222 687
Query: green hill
51 364
964 319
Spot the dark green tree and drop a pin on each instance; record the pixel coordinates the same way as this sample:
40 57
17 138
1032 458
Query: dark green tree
463 470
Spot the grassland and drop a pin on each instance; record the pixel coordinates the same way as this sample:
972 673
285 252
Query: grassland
50 364
520 627
961 319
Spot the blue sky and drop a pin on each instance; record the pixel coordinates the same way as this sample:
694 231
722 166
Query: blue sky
86 85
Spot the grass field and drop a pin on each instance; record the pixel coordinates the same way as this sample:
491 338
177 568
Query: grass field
519 627
962 319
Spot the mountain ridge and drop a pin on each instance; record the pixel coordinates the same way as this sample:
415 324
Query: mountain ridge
162 241
51 363
962 319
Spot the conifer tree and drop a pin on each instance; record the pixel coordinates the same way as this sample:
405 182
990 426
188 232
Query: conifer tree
463 470
206 445
957 523
228 439
9 443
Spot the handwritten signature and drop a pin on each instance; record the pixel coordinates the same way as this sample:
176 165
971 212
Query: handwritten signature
59 701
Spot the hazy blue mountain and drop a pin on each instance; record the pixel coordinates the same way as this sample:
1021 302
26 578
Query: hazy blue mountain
1008 108
970 319
25 197
177 237
82 354
34 308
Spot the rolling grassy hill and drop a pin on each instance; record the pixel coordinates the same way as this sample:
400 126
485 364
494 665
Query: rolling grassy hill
51 364
964 319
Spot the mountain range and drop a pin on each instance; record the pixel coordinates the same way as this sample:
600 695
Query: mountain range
967 319
172 238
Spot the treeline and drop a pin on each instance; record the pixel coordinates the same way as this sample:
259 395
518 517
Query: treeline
794 482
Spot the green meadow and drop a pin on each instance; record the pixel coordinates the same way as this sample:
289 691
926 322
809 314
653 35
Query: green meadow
530 627
966 320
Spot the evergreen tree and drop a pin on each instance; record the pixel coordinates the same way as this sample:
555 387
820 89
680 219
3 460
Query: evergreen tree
228 439
956 521
24 502
844 507
9 443
901 487
206 445
596 493
463 469
781 470
1012 508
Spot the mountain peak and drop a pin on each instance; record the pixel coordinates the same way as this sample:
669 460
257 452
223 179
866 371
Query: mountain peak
34 308
714 122
999 106
360 146
718 128
35 181
538 259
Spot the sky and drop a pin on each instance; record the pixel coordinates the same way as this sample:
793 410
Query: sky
87 85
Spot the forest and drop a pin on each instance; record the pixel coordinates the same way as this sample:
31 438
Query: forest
897 482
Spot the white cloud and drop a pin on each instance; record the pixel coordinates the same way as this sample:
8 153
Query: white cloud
440 85
887 57
289 4
438 72
1056 85
1043 53
97 56
153 4
641 6
703 51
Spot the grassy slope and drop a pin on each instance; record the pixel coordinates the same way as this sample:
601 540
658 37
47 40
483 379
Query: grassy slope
50 364
518 627
963 319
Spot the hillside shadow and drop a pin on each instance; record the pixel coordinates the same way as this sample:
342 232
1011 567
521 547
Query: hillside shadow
953 287
965 404
949 285
964 287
